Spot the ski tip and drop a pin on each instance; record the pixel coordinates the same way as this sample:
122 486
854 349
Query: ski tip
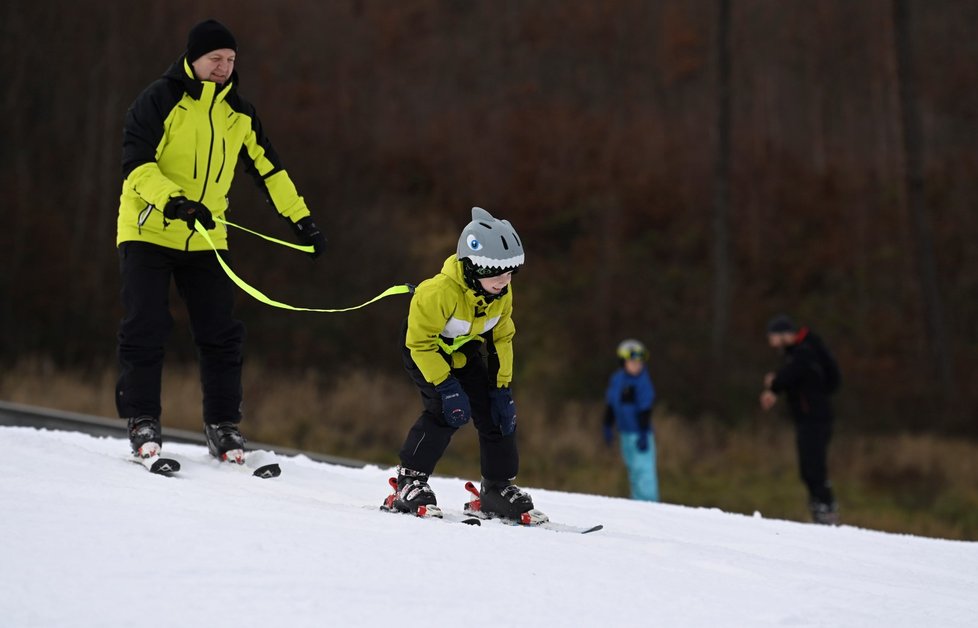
268 471
164 466
593 529
472 521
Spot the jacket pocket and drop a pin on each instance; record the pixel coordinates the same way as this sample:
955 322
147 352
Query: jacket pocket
143 217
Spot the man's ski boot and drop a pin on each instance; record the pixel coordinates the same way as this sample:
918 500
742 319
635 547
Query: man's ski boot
411 495
825 514
503 500
225 442
145 436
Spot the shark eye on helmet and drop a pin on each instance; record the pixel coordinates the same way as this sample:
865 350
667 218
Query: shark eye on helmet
473 242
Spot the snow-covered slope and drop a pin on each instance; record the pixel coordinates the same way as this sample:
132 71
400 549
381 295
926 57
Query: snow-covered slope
89 539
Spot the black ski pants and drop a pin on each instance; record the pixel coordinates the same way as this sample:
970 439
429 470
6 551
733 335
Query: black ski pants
429 436
813 451
208 293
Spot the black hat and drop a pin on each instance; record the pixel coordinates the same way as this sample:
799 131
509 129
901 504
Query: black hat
207 36
781 323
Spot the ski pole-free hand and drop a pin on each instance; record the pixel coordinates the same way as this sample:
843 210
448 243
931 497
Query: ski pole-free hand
455 406
310 235
182 208
503 410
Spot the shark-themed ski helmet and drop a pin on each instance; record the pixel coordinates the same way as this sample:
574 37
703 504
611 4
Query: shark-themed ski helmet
489 246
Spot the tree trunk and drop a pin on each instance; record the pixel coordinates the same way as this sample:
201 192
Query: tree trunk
721 192
916 206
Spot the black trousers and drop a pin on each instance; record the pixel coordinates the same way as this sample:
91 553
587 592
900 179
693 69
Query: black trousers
429 436
208 293
813 451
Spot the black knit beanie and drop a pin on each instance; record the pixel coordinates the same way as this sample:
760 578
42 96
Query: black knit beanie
780 323
207 36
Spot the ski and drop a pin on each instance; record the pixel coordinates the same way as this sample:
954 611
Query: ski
237 459
430 511
267 471
149 456
472 514
448 517
553 526
155 463
158 465
530 519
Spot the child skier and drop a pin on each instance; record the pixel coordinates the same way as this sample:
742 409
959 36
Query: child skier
629 397
458 351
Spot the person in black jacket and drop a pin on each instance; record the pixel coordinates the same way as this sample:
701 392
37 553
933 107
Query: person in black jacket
808 376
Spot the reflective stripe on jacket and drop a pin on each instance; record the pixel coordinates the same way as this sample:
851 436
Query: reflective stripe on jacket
184 137
445 313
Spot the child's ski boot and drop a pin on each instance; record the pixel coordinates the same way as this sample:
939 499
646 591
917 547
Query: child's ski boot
503 500
412 495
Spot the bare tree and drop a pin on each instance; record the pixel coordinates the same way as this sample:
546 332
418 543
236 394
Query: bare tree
721 189
916 204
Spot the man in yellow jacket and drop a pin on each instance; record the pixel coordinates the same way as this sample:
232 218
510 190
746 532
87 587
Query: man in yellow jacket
182 138
458 350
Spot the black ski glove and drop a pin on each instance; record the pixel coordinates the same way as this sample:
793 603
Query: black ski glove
503 410
309 234
642 442
455 405
182 208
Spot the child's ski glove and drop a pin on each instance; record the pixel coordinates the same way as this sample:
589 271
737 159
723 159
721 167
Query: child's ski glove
454 402
643 440
503 410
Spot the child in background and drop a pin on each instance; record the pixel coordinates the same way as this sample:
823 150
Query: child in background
630 397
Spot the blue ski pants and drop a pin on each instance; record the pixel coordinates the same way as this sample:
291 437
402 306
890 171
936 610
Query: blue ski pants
641 467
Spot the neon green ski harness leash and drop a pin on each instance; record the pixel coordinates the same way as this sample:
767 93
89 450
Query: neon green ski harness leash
258 295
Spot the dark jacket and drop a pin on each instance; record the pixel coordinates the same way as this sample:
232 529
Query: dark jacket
802 378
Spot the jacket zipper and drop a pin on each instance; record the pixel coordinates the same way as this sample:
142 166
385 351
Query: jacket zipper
224 158
210 153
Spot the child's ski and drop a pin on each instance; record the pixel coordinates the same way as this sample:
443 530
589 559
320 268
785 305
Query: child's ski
430 511
531 519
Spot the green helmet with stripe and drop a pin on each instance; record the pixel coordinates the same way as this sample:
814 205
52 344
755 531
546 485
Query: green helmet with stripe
631 349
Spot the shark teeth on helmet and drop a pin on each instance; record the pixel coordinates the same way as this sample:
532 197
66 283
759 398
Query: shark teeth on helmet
511 262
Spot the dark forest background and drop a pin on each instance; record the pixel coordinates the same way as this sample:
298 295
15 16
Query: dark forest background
679 172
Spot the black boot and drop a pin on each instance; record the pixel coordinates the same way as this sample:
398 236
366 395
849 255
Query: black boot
145 436
413 492
824 513
504 499
222 438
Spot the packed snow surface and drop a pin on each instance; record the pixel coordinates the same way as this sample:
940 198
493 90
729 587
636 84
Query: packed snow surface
87 538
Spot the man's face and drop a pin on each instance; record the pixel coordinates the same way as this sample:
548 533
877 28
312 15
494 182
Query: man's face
780 340
216 66
495 285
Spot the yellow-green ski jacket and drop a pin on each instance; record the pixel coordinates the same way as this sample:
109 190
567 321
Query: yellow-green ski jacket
183 137
445 314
